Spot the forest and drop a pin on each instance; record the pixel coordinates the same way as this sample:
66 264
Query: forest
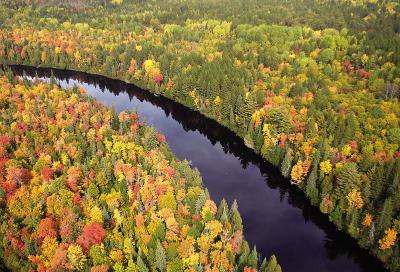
312 85
86 189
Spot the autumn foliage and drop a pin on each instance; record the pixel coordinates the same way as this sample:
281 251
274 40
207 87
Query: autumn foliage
87 189
93 234
316 97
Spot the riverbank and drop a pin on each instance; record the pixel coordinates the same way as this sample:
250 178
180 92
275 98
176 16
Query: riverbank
84 187
236 131
321 245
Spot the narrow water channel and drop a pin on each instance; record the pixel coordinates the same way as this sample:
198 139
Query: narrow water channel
277 218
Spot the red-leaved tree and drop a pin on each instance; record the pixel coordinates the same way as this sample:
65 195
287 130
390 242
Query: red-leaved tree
92 234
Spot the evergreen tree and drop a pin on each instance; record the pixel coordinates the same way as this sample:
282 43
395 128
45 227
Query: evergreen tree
310 127
252 260
248 109
141 265
231 118
376 177
200 202
337 217
236 220
385 217
287 163
395 185
366 192
258 139
311 187
272 265
238 105
274 155
347 178
244 255
351 127
279 119
223 206
248 141
353 224
161 259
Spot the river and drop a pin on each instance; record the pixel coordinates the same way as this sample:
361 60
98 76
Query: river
277 217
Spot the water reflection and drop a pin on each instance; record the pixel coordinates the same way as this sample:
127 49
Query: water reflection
276 215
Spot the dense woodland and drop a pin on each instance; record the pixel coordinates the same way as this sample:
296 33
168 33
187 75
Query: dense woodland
312 85
86 189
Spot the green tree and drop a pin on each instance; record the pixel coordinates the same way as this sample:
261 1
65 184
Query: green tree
161 259
253 258
287 163
271 266
236 220
347 178
141 265
311 187
386 215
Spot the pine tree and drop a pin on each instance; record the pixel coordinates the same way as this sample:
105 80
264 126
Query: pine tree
351 127
310 130
395 186
287 163
141 265
279 119
311 187
231 118
248 141
237 223
161 259
263 265
244 255
337 217
200 202
326 186
248 109
222 208
353 224
348 177
252 260
272 265
238 105
238 112
259 139
376 177
386 216
366 192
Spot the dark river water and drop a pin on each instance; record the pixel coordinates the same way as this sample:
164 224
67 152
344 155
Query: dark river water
277 218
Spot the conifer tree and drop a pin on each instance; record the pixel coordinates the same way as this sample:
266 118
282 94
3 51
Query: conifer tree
161 259
272 265
244 255
395 185
385 217
352 125
311 187
253 258
222 212
141 265
348 177
337 217
248 109
236 220
353 223
287 163
258 139
376 177
200 202
231 118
